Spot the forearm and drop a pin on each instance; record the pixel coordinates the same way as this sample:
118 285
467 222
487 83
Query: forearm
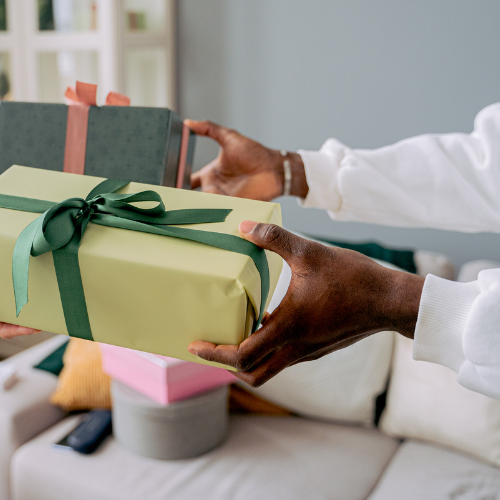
446 181
403 302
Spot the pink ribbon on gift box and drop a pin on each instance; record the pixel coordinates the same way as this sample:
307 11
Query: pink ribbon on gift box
80 98
183 156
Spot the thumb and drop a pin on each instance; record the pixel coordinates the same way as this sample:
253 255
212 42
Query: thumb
274 238
209 129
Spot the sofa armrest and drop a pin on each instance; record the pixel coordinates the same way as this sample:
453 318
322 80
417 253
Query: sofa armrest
18 344
33 355
25 409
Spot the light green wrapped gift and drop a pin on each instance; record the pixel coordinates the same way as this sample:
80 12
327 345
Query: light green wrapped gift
133 265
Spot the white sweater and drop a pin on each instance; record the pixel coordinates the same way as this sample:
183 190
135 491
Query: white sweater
449 181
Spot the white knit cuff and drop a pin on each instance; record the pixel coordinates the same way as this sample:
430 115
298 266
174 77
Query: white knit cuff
444 308
322 168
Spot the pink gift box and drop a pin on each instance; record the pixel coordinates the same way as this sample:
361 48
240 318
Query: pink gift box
162 379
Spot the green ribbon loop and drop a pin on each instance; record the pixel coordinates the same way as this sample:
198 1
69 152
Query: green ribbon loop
61 226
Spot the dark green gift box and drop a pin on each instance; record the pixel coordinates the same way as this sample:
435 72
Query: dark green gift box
132 143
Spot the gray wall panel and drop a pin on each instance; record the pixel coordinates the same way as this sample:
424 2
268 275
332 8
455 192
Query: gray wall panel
292 73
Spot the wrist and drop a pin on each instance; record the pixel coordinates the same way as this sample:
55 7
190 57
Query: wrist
403 302
299 186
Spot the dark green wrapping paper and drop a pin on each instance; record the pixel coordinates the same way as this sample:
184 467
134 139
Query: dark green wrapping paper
140 144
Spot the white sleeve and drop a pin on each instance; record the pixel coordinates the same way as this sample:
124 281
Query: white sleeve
459 327
448 181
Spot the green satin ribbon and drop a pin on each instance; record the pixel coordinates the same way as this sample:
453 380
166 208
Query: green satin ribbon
61 226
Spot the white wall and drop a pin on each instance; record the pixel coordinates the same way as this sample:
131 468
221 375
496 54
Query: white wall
292 73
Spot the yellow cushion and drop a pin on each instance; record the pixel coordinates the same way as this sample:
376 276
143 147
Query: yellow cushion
82 383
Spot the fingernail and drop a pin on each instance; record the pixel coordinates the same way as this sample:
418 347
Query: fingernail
192 351
247 226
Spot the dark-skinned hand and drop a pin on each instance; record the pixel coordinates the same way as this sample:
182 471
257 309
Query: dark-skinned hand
336 297
244 168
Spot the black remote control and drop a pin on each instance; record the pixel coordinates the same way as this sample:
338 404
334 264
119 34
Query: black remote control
91 432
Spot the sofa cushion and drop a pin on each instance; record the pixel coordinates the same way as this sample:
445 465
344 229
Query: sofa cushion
421 471
341 386
426 402
470 270
83 385
264 457
14 346
32 356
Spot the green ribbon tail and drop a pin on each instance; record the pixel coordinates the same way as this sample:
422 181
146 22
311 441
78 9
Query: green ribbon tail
69 280
21 263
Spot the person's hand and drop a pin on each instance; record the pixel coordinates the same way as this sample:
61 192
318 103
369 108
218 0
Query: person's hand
8 331
336 297
244 168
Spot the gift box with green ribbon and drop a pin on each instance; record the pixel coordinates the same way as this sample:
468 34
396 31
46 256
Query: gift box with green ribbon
138 266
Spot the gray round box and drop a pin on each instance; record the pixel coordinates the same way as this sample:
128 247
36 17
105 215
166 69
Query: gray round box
179 430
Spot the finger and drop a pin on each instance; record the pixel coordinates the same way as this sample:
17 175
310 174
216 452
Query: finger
274 238
251 351
8 331
23 330
206 179
212 189
269 368
195 180
265 318
209 129
225 354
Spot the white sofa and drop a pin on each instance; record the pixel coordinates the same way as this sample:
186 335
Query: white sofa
16 345
263 458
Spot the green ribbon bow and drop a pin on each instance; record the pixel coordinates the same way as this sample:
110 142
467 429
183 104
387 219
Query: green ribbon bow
60 230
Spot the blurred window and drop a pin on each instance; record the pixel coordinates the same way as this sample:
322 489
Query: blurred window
146 76
145 15
67 15
5 87
59 70
3 16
